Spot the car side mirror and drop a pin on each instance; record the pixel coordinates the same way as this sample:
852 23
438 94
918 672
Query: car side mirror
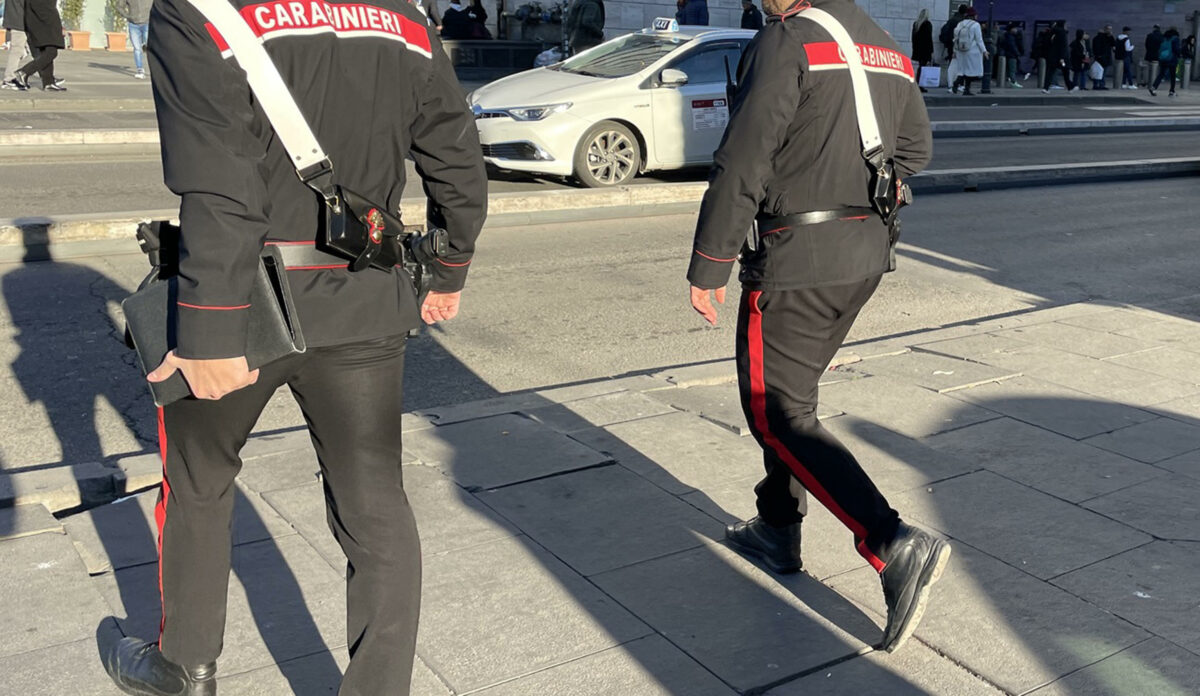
672 78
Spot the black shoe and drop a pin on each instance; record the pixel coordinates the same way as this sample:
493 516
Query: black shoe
56 86
138 668
968 94
985 91
19 81
1152 92
777 547
916 561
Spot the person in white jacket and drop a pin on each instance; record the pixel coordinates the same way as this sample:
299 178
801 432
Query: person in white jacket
969 51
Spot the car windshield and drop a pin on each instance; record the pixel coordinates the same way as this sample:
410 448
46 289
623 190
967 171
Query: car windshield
624 56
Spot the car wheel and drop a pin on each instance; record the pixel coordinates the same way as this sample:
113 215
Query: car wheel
607 155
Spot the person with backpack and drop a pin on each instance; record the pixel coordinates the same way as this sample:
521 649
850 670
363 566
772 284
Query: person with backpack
946 35
1124 53
969 51
1168 59
1056 58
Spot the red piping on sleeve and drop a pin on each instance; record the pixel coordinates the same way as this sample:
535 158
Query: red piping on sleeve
710 258
217 309
453 265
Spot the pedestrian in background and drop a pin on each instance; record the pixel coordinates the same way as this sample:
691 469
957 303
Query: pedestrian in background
1168 59
1057 54
751 17
922 42
1123 51
693 13
1081 58
18 47
1102 52
430 8
989 56
1011 50
585 25
44 32
1153 43
969 51
137 17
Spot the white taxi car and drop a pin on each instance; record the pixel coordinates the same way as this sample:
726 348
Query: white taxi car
655 99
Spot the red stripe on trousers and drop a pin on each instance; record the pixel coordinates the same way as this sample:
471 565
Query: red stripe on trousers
758 406
160 518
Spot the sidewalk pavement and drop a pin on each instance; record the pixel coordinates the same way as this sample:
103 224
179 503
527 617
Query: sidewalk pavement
572 537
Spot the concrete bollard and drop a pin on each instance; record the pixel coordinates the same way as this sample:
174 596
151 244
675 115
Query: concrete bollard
1118 73
1041 70
1187 74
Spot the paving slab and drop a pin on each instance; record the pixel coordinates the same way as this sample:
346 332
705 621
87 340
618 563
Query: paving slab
827 546
747 627
1168 362
1053 407
285 602
1152 441
59 488
45 596
595 411
1185 409
1107 379
1151 667
139 472
508 608
990 349
719 404
448 518
599 387
73 668
271 472
1077 340
1126 322
484 408
1152 586
679 452
895 463
274 443
1001 517
705 375
124 534
305 676
601 519
936 372
27 520
1186 464
914 671
500 450
1167 507
1049 462
646 667
902 407
1183 334
1012 629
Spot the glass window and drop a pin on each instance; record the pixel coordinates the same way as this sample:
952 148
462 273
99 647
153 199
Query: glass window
624 56
707 64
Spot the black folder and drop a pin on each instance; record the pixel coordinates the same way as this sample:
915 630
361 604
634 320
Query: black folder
273 332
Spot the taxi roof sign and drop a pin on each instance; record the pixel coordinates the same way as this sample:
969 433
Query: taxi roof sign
665 24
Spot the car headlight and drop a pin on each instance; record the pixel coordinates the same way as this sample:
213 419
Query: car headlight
537 113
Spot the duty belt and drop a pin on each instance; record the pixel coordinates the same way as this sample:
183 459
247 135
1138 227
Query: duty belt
770 224
305 256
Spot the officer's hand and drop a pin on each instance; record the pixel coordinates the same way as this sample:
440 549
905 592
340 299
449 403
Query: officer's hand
208 379
702 303
440 306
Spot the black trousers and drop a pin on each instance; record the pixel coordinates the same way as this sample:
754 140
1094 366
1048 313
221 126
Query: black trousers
785 342
1166 70
351 399
1052 67
42 64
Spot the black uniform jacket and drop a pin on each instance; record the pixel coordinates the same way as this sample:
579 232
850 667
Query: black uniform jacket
43 25
792 146
376 87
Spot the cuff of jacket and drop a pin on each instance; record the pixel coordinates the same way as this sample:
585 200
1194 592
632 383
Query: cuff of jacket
449 276
708 272
208 333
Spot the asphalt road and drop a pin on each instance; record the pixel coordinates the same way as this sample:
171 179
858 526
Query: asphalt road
64 181
549 305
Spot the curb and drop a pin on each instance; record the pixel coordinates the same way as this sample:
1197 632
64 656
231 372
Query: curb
34 238
1155 124
14 103
941 129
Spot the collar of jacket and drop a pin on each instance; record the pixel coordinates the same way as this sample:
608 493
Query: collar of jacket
794 9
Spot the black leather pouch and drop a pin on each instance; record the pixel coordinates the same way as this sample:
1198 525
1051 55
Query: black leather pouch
273 331
363 232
